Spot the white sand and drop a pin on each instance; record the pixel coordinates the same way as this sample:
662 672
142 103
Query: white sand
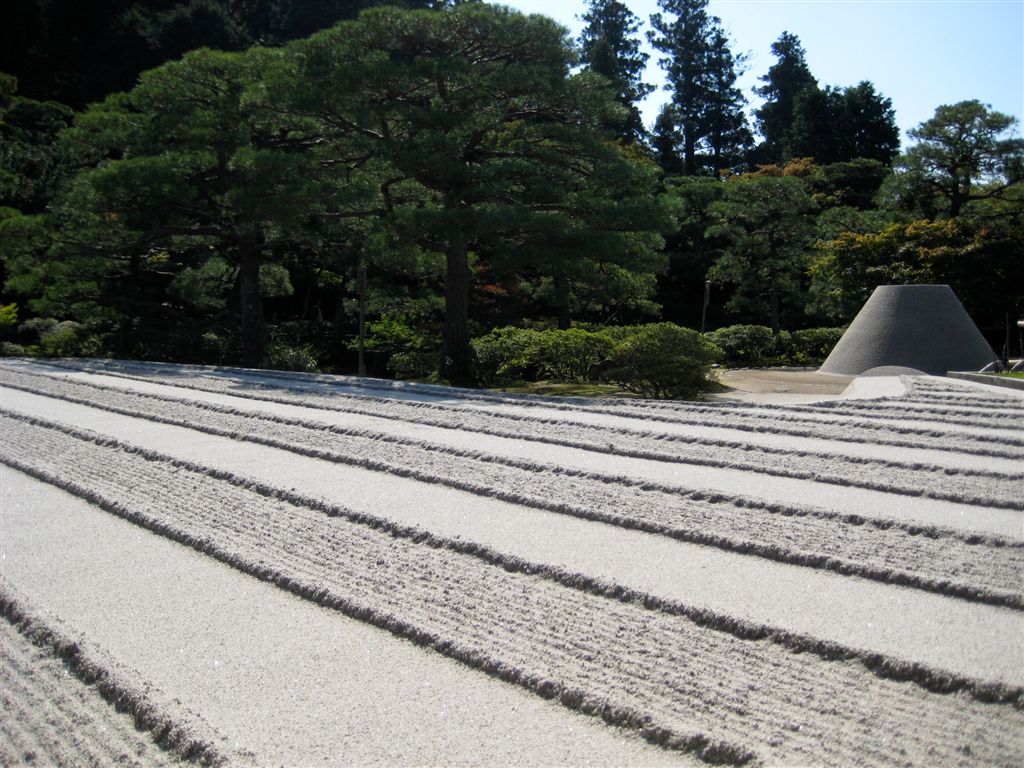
286 682
278 678
975 640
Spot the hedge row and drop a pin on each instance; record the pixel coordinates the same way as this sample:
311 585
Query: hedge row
658 360
752 346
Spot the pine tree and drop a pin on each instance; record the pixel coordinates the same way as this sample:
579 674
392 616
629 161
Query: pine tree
609 47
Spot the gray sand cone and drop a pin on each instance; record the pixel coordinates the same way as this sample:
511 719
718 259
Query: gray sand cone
913 326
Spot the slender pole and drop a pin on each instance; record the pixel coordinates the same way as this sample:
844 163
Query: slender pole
707 300
361 289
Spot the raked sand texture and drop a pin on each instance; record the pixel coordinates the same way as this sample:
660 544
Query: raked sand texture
283 569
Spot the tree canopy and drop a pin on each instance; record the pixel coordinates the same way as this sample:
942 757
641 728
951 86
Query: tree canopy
477 165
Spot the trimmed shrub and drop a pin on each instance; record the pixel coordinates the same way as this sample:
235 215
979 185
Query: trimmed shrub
569 355
750 345
522 354
664 361
505 353
281 357
414 364
412 352
813 345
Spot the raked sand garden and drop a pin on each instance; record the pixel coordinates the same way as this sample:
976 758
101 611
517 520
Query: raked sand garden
260 569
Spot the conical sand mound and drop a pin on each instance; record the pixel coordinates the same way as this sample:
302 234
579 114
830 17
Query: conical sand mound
913 326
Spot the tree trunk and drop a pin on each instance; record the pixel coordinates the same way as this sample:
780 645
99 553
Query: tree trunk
689 152
457 361
562 301
254 339
773 301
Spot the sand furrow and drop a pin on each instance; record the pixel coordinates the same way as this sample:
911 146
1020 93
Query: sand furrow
51 718
69 708
966 438
688 685
981 568
995 489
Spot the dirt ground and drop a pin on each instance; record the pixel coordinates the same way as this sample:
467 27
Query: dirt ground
780 385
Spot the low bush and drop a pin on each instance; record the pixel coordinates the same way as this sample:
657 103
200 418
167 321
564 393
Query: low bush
60 338
664 361
412 350
282 357
505 354
750 346
569 355
813 345
522 354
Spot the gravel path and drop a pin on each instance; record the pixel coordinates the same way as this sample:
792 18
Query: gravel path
562 550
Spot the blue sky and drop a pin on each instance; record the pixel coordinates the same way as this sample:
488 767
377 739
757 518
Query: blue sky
919 53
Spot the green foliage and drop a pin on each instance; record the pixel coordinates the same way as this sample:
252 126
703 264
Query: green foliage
755 346
702 73
764 227
609 47
784 81
811 346
412 349
570 355
10 349
749 346
504 354
8 316
60 338
485 145
664 361
965 153
555 355
62 50
284 357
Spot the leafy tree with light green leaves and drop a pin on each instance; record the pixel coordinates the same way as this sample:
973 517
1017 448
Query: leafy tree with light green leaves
765 228
476 109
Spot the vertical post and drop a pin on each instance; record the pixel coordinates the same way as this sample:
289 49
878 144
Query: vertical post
704 309
361 289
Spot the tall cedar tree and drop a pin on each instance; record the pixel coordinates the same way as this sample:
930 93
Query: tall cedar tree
784 81
728 139
609 47
702 81
835 125
477 108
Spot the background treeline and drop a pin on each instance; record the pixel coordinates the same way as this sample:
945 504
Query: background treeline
204 181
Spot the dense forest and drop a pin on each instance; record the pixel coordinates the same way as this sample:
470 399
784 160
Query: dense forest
239 181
